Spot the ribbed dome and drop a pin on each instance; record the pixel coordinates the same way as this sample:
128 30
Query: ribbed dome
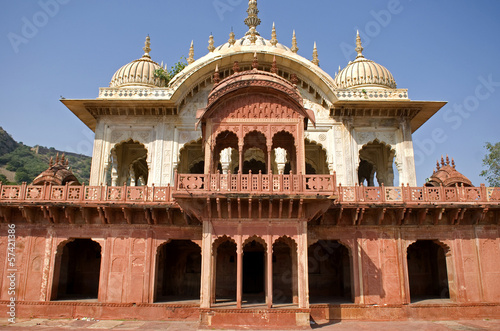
364 73
245 41
138 73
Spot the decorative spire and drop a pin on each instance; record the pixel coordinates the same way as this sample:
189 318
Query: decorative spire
437 165
211 46
453 163
190 58
274 40
447 160
358 48
231 40
216 74
274 68
252 21
442 161
147 47
294 49
255 62
315 59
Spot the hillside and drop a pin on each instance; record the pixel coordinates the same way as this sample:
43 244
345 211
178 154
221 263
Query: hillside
7 143
24 163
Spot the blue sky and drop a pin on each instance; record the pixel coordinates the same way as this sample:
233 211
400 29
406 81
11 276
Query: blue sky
440 50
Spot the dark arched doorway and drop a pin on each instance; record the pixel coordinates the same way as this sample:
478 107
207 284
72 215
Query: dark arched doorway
427 272
329 272
77 270
178 271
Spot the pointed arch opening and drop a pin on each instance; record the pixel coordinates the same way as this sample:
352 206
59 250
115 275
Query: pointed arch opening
255 153
316 159
77 270
225 269
225 152
286 141
178 271
285 285
129 164
191 158
427 271
254 255
330 275
376 164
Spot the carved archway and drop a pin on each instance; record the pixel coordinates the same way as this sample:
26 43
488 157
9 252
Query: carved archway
376 161
77 270
191 158
129 164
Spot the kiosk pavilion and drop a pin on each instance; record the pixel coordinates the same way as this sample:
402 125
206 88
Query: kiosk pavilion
252 190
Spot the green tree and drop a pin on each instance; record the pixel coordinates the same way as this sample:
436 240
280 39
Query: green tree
4 179
165 76
492 162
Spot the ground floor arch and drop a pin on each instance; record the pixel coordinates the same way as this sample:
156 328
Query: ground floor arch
77 270
178 271
330 275
427 271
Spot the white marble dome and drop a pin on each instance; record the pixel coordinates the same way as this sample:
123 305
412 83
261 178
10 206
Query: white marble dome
362 73
138 73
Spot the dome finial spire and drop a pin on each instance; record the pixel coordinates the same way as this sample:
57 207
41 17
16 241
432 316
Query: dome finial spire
252 21
190 58
315 59
274 40
211 46
358 48
147 47
294 48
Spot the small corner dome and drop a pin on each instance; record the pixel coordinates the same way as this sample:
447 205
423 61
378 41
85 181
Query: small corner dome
362 73
138 73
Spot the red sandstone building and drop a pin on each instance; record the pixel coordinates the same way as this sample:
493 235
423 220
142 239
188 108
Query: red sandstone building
253 189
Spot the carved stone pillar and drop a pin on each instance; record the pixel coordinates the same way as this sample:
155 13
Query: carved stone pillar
280 157
269 272
302 263
225 159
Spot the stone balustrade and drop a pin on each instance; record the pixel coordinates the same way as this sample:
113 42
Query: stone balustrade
371 94
135 93
247 183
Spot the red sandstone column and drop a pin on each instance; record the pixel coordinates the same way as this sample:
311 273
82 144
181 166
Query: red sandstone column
303 277
240 164
206 267
269 269
239 270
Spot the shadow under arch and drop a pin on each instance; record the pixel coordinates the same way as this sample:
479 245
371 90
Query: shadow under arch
285 271
77 270
427 270
316 158
330 272
224 250
191 158
178 271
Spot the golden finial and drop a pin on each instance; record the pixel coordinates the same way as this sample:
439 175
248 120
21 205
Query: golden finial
255 62
358 48
252 21
274 40
211 47
190 58
147 47
294 49
315 59
231 40
274 68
